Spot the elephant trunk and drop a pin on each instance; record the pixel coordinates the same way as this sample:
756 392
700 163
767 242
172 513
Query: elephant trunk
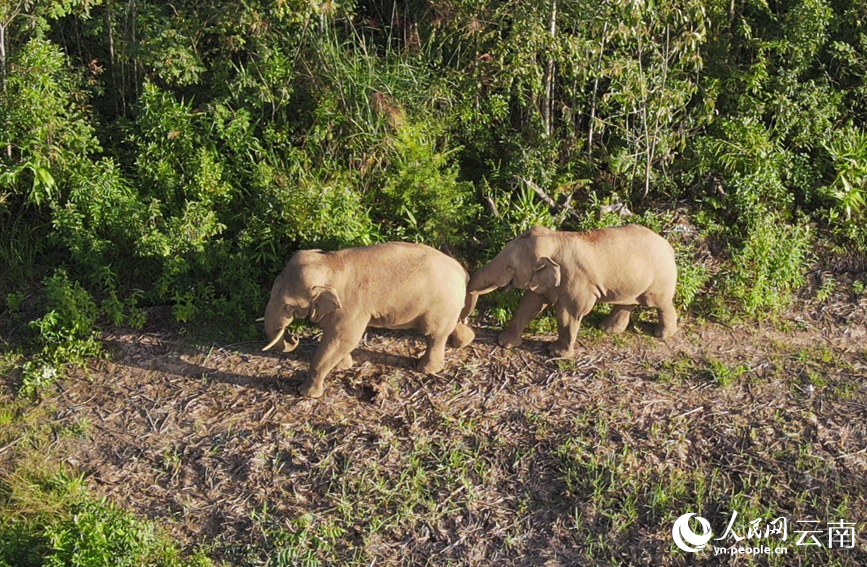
469 304
487 279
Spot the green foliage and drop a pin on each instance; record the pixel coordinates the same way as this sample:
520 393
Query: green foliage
770 266
44 127
692 274
178 155
66 333
431 203
49 519
848 150
724 374
303 543
514 214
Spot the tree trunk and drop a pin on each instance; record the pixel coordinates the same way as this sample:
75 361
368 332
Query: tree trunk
592 126
3 57
548 102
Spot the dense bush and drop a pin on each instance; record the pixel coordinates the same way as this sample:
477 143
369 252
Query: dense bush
177 156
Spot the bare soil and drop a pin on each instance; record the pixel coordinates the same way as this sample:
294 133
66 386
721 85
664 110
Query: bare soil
505 458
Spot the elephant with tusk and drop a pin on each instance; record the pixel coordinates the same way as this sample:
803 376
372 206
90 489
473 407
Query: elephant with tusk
624 266
395 285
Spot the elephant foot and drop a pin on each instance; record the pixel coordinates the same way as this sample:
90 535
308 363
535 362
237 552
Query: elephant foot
559 351
614 325
664 332
311 389
428 366
461 336
345 363
509 340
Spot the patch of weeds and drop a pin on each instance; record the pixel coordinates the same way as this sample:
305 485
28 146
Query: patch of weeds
501 306
769 265
845 390
817 355
808 461
677 369
620 489
858 287
826 290
171 462
98 533
666 495
305 540
724 374
787 325
623 340
79 428
48 517
591 335
66 333
816 379
465 425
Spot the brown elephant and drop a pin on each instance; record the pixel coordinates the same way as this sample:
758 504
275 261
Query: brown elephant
624 266
395 285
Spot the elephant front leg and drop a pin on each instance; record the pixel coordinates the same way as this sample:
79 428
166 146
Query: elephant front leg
531 305
568 323
334 349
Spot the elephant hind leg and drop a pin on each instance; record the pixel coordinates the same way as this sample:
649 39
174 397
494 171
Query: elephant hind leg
461 336
663 302
618 320
345 363
667 321
434 358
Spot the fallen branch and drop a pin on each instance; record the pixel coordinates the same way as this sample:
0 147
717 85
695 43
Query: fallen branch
566 210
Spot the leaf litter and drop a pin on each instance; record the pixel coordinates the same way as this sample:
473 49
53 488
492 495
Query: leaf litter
507 457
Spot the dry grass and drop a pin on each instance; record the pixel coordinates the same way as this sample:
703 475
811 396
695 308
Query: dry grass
506 458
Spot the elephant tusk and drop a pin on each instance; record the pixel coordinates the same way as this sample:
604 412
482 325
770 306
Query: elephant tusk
260 319
276 340
486 290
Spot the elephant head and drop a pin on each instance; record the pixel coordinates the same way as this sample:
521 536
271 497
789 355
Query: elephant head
303 290
525 263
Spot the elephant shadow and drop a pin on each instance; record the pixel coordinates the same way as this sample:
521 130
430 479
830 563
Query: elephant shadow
241 365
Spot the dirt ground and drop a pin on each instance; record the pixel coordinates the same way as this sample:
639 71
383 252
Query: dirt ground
505 458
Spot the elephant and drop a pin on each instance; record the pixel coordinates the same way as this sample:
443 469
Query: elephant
395 285
624 266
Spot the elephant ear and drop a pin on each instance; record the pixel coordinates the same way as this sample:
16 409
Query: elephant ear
325 301
545 277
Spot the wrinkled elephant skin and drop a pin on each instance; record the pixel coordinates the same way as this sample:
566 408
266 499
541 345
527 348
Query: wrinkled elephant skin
394 286
625 266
